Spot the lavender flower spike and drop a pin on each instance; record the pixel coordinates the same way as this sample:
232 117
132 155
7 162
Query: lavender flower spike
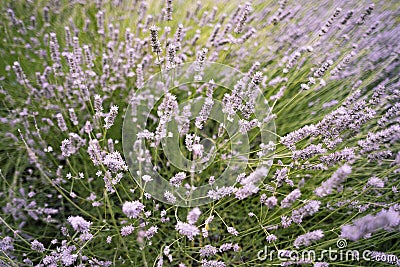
334 182
308 238
365 226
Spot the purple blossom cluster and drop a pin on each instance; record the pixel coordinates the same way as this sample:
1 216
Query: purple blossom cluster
365 226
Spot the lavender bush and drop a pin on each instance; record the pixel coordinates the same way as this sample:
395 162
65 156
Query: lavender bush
180 133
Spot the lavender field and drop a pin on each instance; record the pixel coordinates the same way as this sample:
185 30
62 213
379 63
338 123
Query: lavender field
209 133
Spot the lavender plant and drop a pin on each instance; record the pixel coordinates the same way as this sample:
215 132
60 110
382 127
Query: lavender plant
181 133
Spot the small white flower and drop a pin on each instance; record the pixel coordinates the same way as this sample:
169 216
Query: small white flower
147 178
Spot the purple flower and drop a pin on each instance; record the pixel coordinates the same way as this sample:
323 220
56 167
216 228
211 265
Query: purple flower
188 230
308 238
169 197
362 227
127 230
61 122
221 192
132 209
308 209
193 215
151 232
225 247
289 199
109 120
176 181
271 202
79 224
246 191
375 182
168 10
155 43
115 162
6 244
337 178
208 251
243 18
66 148
347 154
232 231
271 238
37 246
